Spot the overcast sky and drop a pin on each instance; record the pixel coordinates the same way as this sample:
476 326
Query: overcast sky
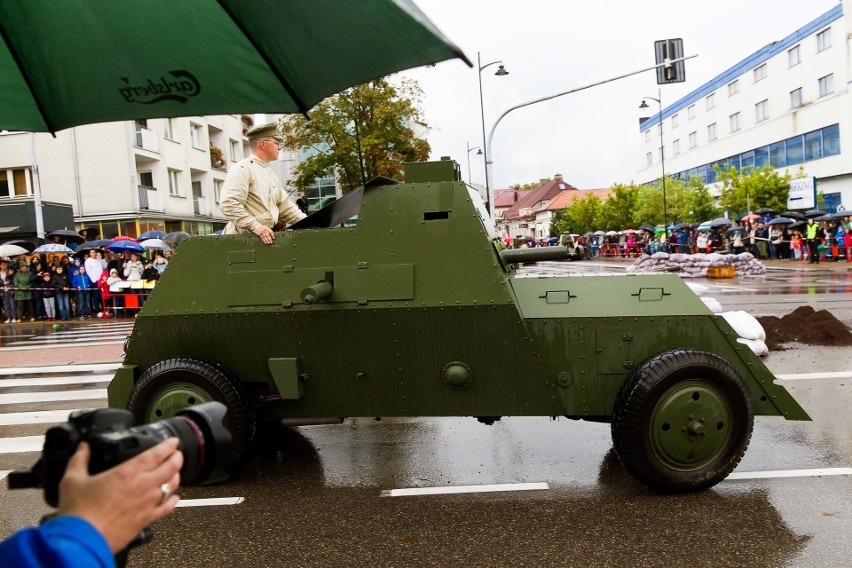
548 46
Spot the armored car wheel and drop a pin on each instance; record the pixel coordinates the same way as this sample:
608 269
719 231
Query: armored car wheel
682 421
175 384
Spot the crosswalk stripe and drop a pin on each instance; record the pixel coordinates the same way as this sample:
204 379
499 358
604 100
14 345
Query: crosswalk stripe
40 417
21 444
57 396
59 369
54 381
70 340
34 347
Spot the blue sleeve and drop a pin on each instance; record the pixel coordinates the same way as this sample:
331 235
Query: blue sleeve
59 543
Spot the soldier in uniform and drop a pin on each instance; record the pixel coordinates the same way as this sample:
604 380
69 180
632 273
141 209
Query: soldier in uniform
252 197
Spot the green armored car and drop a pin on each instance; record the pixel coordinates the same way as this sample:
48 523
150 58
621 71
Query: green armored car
417 310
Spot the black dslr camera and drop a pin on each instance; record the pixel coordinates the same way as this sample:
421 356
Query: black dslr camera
204 441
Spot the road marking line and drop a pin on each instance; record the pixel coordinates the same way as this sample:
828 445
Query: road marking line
807 376
210 502
60 346
4 473
64 334
58 369
52 396
39 417
463 489
790 473
21 444
54 381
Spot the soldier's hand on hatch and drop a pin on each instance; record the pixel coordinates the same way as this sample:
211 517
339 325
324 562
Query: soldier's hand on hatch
265 234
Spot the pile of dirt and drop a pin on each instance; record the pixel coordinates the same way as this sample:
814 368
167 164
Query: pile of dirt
805 325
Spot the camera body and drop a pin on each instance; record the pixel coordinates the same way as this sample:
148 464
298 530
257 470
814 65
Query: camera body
203 439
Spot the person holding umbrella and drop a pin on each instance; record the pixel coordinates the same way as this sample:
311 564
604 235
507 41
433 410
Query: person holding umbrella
252 197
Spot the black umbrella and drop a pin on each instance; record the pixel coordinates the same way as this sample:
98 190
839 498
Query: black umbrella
797 224
100 243
649 228
91 232
781 221
826 217
23 244
840 215
177 236
764 210
67 235
720 222
793 215
151 235
814 213
86 247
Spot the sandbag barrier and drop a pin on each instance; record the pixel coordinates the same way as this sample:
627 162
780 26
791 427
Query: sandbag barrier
696 265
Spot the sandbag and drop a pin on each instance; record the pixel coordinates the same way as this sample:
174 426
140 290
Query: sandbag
745 324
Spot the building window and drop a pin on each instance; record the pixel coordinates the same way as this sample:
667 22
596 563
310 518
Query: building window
690 111
676 147
759 73
735 122
762 110
733 87
693 139
824 40
796 98
174 188
710 100
195 135
169 128
675 120
146 180
15 182
320 193
826 85
711 132
793 56
235 151
217 190
831 140
649 159
647 136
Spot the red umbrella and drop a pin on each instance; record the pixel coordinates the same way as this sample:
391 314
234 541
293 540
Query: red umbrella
124 238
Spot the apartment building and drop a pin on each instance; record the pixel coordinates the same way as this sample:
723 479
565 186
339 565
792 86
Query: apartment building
126 178
787 105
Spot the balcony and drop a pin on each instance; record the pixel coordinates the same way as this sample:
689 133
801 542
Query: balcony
148 198
201 206
146 139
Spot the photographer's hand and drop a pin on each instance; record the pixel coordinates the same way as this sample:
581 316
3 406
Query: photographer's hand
125 499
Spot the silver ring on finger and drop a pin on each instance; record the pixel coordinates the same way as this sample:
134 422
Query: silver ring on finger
167 492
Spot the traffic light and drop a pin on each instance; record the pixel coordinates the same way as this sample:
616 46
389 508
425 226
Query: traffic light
665 50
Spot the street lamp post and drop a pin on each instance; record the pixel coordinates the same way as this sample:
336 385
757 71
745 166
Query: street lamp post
501 72
662 158
469 150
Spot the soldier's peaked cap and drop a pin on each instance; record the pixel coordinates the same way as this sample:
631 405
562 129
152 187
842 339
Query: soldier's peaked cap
269 130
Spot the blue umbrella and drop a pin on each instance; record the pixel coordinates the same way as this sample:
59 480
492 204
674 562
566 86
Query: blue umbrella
152 235
734 229
121 246
54 247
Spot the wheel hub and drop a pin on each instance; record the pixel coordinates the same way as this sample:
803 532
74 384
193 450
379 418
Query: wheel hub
690 425
174 398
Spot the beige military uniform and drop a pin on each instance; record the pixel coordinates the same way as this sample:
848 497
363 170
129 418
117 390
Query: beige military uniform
252 195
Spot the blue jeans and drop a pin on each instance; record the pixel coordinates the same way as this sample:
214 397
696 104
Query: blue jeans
84 307
63 306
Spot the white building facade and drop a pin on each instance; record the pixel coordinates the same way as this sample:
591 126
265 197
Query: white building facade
787 105
126 178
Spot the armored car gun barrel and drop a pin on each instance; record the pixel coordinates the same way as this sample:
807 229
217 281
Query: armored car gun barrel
516 256
417 310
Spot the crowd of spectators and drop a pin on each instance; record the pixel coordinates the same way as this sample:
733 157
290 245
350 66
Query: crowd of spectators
93 283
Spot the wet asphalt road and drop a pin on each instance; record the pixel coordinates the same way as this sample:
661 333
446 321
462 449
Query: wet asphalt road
313 494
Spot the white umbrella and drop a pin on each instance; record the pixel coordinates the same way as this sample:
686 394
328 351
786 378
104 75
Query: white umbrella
156 244
54 247
12 250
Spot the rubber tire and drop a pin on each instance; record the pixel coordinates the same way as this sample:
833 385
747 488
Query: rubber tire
209 376
635 406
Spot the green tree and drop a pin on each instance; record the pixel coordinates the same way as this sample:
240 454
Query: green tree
360 133
763 187
579 217
618 211
702 205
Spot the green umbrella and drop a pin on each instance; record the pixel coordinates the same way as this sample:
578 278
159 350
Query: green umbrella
76 62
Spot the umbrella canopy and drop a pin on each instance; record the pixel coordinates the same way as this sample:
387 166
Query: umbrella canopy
765 210
100 243
123 238
23 244
86 247
162 58
589 234
159 244
840 215
91 232
125 245
781 221
826 217
176 237
151 235
814 213
66 235
797 224
751 216
611 233
649 228
54 247
12 250
720 222
792 215
734 229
